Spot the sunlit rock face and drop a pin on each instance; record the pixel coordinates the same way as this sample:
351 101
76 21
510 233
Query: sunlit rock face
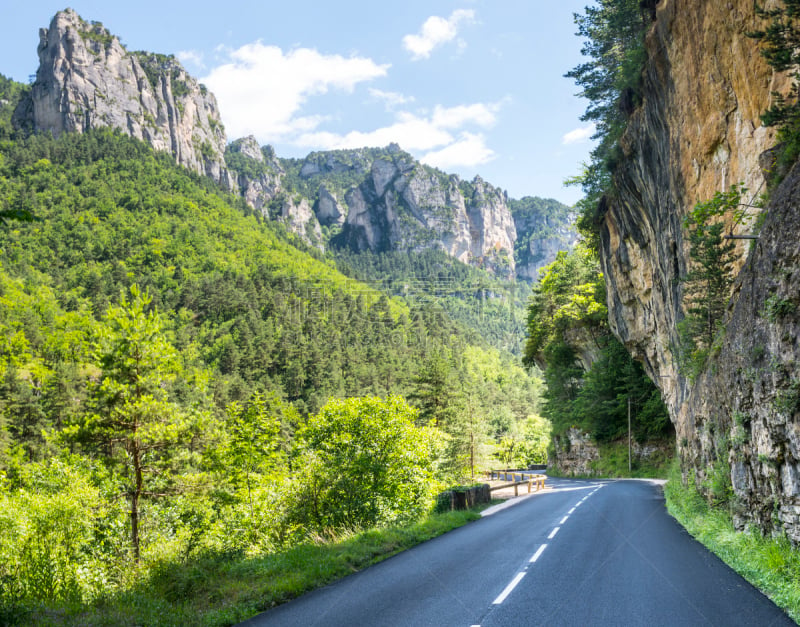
87 79
260 180
393 202
697 132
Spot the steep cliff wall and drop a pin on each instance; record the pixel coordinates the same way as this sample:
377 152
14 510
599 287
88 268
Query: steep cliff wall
744 413
544 227
698 132
384 199
87 79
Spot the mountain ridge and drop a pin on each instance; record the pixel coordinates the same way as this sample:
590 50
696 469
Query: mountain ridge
88 79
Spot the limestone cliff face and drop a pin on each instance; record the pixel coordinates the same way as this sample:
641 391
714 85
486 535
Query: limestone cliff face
257 172
698 132
745 412
376 199
300 219
87 79
576 454
386 200
544 228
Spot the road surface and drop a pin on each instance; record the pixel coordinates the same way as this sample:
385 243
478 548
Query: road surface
581 553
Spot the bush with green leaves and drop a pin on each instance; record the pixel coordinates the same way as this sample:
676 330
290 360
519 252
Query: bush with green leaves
365 463
56 534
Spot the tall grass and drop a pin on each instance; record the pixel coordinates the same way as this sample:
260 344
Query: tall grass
224 589
770 564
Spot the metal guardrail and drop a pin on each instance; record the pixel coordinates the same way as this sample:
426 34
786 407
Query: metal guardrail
515 483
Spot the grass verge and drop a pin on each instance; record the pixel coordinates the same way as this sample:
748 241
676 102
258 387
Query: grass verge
770 564
613 462
225 589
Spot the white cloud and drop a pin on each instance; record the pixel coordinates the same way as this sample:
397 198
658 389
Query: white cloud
441 135
391 99
410 131
436 31
467 151
579 135
192 57
455 117
261 89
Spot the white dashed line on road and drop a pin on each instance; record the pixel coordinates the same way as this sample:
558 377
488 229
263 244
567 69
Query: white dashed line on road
538 553
509 589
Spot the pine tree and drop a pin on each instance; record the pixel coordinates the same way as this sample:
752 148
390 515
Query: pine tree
707 285
137 429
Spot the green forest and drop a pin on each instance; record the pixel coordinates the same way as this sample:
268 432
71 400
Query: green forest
181 380
591 379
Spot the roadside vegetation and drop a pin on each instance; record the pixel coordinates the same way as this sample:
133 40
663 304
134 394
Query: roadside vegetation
213 589
189 399
591 380
770 564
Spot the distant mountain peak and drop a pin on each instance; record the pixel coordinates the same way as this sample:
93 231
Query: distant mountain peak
88 79
376 199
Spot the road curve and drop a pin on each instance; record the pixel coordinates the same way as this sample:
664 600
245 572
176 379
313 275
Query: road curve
581 553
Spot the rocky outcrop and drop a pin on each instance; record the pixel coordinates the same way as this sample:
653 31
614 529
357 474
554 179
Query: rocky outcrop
544 228
257 172
300 219
393 202
697 132
328 209
574 454
87 79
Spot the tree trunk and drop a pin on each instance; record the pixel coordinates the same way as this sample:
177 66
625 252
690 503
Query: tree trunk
137 492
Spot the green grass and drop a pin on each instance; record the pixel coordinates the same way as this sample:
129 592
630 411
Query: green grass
226 589
613 462
770 564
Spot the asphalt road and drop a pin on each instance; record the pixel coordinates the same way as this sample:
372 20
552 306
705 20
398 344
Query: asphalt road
581 553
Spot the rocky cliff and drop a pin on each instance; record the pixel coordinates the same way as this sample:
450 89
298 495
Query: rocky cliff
376 199
87 79
257 171
576 454
544 227
698 131
384 199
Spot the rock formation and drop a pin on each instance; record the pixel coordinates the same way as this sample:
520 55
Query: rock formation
544 227
697 132
87 79
376 199
257 172
393 202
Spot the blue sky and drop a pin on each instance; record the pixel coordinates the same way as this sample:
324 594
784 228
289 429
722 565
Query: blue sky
470 86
